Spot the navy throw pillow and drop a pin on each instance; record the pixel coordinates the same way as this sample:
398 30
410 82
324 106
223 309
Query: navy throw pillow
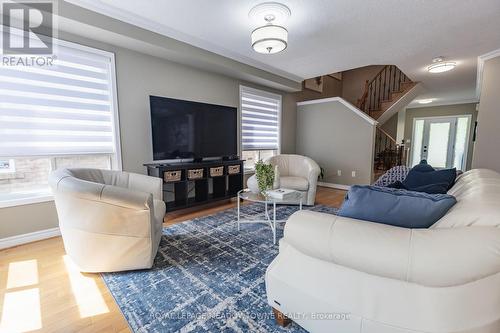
401 208
440 188
423 166
423 174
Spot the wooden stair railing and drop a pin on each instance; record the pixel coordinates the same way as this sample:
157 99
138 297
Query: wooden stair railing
388 153
388 80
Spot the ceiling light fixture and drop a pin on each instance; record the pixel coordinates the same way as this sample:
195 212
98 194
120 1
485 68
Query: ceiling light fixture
440 66
271 37
425 101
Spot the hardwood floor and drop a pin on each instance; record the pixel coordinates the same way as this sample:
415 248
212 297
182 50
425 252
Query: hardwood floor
40 290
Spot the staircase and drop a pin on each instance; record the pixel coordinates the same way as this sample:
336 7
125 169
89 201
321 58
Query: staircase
381 93
388 153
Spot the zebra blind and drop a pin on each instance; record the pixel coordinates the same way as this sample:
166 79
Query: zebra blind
260 120
66 108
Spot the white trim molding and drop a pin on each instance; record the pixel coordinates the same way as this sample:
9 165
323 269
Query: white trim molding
480 67
345 103
26 201
335 186
29 238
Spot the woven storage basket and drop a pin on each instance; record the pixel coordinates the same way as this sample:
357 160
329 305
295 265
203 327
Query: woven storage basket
233 169
172 176
195 173
217 171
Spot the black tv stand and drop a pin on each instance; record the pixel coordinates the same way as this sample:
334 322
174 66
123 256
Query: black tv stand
184 191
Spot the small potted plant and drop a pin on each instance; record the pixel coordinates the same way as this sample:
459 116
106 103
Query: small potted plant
264 173
321 175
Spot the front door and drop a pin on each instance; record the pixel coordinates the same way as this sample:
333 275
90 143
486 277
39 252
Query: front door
441 141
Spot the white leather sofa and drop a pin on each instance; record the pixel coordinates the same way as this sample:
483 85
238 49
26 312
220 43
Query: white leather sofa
298 173
374 278
109 220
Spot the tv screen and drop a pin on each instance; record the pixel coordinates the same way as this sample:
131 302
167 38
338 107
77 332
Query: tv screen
184 129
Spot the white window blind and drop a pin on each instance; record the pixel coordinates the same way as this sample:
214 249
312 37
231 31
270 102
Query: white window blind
62 109
260 119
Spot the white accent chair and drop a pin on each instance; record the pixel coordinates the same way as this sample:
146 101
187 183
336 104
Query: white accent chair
376 278
297 172
109 220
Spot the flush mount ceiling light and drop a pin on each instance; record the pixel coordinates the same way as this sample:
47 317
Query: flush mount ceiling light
440 66
425 101
271 37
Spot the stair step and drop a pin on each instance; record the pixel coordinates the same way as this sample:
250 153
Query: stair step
407 84
395 96
375 114
386 105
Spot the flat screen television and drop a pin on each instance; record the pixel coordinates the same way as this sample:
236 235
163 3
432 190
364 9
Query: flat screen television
185 129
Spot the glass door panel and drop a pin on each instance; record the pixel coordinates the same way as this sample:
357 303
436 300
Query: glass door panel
418 136
438 144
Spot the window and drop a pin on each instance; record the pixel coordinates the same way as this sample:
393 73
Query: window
260 125
62 115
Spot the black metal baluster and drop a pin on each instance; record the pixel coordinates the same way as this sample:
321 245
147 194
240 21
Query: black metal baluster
385 83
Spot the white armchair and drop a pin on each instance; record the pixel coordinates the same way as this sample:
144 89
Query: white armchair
109 220
298 173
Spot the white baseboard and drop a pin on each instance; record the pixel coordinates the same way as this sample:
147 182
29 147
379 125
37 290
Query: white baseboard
336 186
28 238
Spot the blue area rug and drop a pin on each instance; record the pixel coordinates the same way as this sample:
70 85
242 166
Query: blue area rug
207 277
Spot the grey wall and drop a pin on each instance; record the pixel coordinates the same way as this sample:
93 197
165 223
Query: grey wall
353 82
331 88
20 220
391 126
442 111
138 76
486 150
288 124
337 139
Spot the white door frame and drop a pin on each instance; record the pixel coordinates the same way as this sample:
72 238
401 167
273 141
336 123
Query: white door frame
467 137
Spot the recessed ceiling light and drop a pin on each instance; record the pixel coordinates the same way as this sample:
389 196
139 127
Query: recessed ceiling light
440 66
425 101
271 37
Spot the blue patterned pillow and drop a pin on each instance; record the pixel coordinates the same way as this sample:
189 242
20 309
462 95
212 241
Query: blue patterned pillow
397 173
401 208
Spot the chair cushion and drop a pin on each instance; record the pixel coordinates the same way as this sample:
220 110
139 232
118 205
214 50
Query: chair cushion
294 183
395 207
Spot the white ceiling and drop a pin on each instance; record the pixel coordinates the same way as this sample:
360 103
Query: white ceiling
327 36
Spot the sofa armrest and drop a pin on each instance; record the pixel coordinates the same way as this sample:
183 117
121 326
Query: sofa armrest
430 257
